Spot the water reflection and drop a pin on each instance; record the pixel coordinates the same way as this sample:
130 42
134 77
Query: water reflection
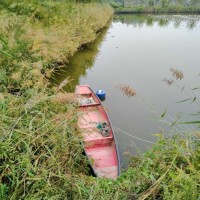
162 20
82 60
138 51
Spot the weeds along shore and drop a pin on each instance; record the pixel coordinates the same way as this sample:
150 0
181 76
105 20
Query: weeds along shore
41 156
39 36
40 148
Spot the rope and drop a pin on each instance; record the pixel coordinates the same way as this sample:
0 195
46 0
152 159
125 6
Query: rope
147 141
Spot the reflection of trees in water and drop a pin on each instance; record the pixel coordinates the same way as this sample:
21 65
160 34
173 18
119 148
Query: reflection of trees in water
149 21
191 21
79 63
177 23
163 22
191 24
135 20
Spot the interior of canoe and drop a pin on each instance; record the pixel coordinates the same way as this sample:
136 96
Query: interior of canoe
86 97
104 160
100 149
89 120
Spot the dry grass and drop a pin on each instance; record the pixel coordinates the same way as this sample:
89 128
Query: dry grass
40 152
177 74
168 81
64 83
34 46
61 97
1 97
126 90
62 40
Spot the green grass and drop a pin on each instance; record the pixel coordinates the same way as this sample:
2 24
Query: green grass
41 151
40 147
41 156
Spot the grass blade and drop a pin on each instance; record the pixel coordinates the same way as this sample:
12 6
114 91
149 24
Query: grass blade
183 101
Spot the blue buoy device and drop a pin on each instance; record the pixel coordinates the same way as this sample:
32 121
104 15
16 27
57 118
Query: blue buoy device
101 94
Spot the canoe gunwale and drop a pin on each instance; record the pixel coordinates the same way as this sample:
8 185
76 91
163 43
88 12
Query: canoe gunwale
99 104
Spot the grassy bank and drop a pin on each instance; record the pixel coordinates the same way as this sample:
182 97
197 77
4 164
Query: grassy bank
34 41
40 146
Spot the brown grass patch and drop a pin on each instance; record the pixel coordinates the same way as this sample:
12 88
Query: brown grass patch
65 98
126 90
177 74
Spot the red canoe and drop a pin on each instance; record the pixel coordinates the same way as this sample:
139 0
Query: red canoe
99 141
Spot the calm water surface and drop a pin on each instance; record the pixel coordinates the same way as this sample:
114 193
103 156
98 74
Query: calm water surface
139 51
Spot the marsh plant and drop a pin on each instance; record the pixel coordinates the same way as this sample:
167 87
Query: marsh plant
126 90
33 42
176 75
40 147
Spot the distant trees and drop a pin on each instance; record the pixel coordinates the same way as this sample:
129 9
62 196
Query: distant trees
163 3
151 2
194 2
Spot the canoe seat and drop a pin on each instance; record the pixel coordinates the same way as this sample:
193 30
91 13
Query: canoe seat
93 137
83 90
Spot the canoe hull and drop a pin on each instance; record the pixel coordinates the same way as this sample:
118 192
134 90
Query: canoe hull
99 147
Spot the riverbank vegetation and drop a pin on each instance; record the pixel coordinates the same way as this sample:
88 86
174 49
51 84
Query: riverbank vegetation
41 156
156 6
40 148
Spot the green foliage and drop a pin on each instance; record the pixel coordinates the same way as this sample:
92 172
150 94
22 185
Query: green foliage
170 170
156 6
29 44
151 3
41 154
40 146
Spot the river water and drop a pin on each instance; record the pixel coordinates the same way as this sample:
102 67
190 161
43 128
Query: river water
139 51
